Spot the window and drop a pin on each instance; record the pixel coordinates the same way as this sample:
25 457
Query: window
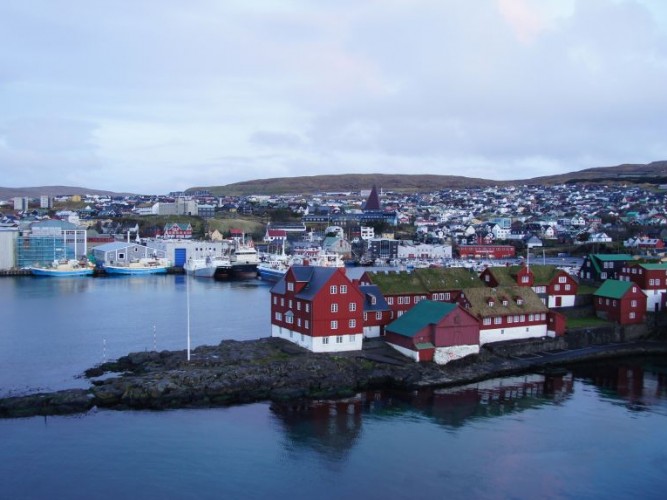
556 287
339 339
632 315
275 300
298 305
306 324
633 303
333 289
352 323
562 279
298 322
282 301
343 289
567 287
334 325
365 316
290 286
353 338
531 317
307 307
523 318
651 282
334 307
543 316
497 320
525 279
445 296
390 301
486 321
279 316
325 340
509 319
289 318
378 315
352 307
290 304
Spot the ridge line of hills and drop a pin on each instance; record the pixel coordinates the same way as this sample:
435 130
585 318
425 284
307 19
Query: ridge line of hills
651 173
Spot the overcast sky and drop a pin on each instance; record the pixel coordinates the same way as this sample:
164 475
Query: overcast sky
152 96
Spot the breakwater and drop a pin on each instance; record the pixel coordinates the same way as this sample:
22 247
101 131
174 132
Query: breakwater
236 372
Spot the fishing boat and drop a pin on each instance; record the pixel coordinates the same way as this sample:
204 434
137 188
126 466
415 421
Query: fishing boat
275 269
66 268
211 266
244 259
150 265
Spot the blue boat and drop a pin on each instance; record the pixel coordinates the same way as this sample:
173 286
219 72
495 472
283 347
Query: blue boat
70 268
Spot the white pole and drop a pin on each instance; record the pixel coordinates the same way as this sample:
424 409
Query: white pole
187 293
154 339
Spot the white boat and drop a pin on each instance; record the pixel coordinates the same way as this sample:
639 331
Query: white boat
275 269
211 266
63 269
149 265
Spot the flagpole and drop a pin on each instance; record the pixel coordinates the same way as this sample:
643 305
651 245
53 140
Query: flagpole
187 293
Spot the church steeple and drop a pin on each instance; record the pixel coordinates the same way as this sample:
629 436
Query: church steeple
373 201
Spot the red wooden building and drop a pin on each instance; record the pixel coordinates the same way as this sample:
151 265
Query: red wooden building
506 313
403 290
318 308
486 251
435 331
650 278
620 301
177 231
556 287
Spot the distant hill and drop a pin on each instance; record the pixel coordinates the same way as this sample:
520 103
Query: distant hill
653 173
345 183
36 192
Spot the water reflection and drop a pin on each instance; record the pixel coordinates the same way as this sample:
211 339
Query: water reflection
332 428
637 383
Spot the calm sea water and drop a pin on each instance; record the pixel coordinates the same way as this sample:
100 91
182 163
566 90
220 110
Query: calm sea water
593 433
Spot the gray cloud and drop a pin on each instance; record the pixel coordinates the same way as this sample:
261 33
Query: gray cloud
131 96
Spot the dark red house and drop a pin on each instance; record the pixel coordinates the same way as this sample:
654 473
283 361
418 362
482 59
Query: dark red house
318 308
434 331
620 301
651 278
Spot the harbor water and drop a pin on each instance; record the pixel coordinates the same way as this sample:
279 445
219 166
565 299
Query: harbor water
592 432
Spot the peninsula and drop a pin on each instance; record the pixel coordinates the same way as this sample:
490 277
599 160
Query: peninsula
237 372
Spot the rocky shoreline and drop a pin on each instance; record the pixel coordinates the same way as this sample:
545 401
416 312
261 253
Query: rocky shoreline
237 372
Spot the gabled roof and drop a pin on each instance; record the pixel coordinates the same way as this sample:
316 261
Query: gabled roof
372 291
425 313
315 278
504 275
479 299
614 289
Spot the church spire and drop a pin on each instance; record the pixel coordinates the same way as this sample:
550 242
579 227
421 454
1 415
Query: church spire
373 201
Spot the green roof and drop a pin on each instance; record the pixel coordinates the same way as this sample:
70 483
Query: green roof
504 275
425 313
613 289
655 267
604 257
439 279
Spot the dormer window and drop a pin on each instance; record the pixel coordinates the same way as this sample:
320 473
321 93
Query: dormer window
519 301
490 302
505 302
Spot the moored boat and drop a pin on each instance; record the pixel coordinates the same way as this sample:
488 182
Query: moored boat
63 269
244 260
141 266
211 266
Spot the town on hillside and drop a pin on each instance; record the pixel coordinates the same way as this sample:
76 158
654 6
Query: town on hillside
450 271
